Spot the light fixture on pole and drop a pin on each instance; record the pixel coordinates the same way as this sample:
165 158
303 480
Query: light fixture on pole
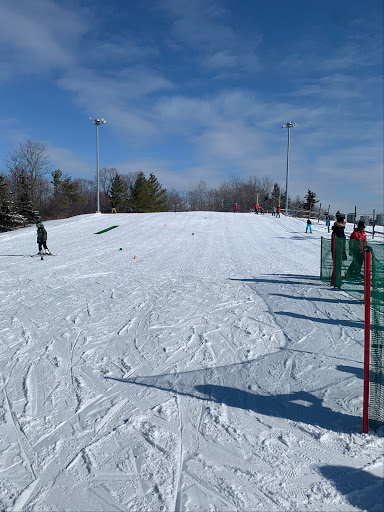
289 126
97 122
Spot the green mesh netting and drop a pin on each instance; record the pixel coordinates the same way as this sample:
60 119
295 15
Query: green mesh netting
342 266
376 385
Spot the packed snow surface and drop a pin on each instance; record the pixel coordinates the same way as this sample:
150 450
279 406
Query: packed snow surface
180 361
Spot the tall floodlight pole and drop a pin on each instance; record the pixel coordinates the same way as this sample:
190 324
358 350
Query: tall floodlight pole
289 126
97 122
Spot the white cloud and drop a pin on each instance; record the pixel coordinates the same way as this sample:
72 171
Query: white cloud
38 35
116 87
205 28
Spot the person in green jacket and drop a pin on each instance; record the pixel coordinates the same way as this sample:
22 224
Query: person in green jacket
42 238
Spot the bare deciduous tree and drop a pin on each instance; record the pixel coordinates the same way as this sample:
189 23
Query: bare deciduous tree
31 158
176 200
106 176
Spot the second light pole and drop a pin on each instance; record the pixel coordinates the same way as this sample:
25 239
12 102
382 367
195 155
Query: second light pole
289 126
97 122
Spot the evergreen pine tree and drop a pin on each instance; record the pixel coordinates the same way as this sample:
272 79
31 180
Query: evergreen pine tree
65 194
24 202
139 200
275 195
9 219
157 195
118 193
310 201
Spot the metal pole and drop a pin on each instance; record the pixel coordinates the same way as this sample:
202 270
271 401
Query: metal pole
373 225
286 183
97 163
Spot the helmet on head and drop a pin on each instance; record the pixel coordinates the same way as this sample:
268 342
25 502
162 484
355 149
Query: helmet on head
361 224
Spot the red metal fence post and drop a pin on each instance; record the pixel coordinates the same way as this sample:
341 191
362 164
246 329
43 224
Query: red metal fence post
367 332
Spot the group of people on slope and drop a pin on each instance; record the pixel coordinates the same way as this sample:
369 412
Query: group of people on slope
259 209
357 244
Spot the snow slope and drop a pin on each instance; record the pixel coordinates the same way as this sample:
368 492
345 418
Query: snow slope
213 372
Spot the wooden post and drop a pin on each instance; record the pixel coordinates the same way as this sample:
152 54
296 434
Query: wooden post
367 333
354 219
321 259
373 225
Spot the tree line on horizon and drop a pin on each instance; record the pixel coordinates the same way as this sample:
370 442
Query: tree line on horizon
31 189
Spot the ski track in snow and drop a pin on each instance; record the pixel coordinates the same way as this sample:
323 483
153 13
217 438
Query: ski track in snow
213 372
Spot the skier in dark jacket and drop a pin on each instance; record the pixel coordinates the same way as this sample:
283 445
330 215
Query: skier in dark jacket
338 247
42 238
338 227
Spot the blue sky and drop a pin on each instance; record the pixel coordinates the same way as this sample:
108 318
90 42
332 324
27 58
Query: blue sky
198 90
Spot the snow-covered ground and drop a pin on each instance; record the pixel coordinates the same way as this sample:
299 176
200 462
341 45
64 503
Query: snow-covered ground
214 371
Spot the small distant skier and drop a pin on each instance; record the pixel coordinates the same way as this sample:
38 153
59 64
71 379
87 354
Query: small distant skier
278 211
236 208
358 240
273 211
309 226
42 238
261 210
327 222
256 208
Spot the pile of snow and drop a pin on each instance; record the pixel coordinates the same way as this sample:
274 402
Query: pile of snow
188 361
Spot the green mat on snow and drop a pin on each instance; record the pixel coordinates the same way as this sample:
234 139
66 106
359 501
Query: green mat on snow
104 230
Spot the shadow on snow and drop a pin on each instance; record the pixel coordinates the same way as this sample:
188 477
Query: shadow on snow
317 299
362 489
300 406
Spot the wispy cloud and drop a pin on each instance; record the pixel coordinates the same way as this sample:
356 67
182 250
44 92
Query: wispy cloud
38 36
204 27
120 50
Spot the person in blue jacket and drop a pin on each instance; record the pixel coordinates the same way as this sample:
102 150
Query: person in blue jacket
327 222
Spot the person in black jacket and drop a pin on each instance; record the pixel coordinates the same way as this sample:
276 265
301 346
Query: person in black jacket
338 227
42 238
339 249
